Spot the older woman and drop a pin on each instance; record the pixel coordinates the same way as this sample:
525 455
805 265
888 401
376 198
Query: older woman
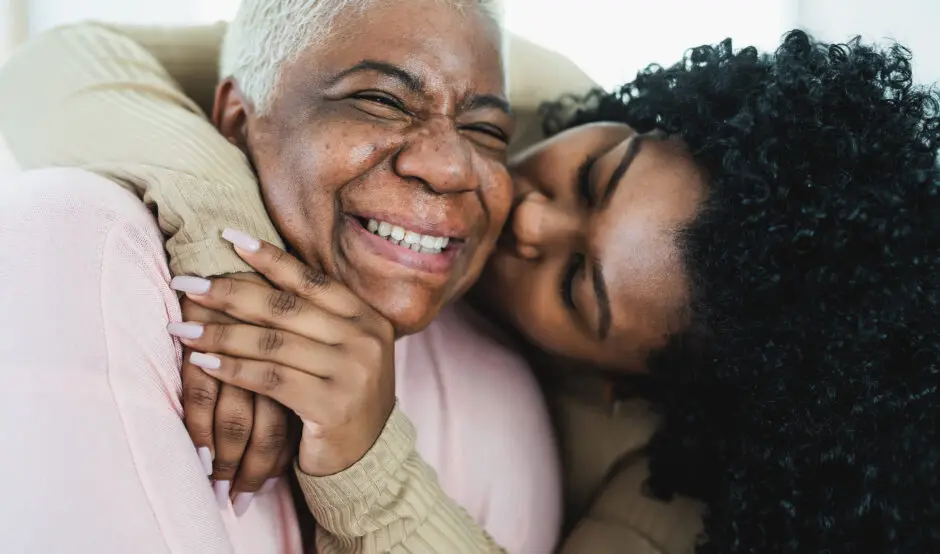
309 100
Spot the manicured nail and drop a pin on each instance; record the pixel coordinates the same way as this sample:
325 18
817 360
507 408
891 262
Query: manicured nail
192 285
205 361
242 501
185 330
222 490
241 240
269 485
205 456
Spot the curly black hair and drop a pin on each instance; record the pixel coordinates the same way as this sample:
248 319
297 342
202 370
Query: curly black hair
802 403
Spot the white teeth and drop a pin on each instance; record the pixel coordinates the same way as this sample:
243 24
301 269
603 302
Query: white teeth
426 244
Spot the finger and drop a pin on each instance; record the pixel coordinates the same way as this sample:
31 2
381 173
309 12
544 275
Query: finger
200 393
192 311
234 415
269 307
307 395
261 343
290 274
259 462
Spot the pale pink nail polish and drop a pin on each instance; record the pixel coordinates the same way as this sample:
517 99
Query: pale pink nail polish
185 330
269 485
205 361
242 501
192 285
242 240
205 457
222 490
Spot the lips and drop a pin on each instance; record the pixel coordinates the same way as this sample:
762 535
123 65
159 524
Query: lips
436 260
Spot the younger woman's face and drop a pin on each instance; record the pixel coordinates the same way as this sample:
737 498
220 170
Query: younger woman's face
588 266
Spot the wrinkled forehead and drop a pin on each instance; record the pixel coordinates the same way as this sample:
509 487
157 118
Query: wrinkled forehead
447 43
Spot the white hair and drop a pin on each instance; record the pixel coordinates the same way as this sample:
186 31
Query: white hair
267 34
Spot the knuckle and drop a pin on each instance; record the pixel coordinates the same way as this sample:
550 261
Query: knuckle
234 429
272 441
270 341
199 396
271 377
312 280
224 467
283 304
218 334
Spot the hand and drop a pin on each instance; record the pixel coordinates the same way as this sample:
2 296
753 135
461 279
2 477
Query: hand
242 438
312 346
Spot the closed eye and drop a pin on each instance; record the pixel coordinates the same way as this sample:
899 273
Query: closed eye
382 99
489 130
575 265
585 190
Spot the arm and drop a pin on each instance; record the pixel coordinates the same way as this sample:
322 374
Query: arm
390 501
88 96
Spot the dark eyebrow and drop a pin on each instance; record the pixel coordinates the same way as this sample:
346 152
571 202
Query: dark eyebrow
410 80
633 148
603 301
483 101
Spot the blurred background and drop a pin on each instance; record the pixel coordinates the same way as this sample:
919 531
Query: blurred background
609 39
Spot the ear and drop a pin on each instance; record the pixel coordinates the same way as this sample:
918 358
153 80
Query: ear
230 113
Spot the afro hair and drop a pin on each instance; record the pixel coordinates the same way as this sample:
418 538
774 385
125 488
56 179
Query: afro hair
801 405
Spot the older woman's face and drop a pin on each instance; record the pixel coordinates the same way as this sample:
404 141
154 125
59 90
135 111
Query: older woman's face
589 266
383 156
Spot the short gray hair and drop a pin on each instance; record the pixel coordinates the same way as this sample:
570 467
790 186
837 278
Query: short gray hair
267 34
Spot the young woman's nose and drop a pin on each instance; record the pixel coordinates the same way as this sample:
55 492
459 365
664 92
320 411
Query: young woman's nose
540 225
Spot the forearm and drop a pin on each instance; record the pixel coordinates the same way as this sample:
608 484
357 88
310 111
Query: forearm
390 501
89 97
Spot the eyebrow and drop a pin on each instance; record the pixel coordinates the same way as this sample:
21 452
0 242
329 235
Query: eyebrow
410 80
633 148
603 301
597 274
484 101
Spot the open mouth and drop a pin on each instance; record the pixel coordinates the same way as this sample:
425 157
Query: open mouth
423 244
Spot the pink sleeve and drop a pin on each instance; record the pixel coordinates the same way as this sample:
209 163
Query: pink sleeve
486 430
522 506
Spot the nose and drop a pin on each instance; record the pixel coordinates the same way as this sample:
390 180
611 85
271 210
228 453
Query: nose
438 156
540 226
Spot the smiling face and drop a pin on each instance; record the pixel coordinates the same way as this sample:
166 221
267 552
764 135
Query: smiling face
590 267
382 157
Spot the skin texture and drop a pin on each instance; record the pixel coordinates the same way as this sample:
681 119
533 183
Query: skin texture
425 151
561 233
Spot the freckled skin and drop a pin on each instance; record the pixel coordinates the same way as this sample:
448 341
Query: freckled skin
326 151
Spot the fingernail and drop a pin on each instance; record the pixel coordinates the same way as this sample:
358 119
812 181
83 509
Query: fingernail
205 361
205 456
192 285
242 501
242 240
185 330
222 490
268 486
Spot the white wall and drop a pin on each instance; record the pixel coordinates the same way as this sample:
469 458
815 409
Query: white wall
912 22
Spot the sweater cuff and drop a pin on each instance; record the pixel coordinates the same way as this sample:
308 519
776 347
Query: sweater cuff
368 478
